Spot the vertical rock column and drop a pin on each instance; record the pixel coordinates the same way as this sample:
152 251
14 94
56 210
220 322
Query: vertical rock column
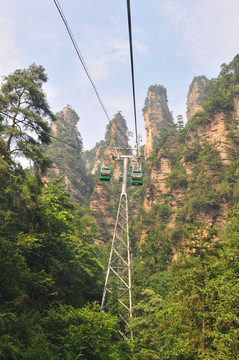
156 115
196 95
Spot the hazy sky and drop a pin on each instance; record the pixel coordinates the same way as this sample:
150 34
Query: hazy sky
173 41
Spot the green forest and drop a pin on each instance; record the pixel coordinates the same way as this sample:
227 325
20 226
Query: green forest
52 271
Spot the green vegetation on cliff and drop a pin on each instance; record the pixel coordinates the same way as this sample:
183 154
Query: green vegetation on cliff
66 154
50 273
184 225
184 283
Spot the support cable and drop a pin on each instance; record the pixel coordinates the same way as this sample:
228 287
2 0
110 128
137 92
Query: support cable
79 54
132 71
51 136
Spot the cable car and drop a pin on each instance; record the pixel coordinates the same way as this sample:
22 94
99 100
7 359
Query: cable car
136 177
120 177
105 173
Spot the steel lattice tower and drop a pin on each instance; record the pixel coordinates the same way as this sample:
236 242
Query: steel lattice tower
117 290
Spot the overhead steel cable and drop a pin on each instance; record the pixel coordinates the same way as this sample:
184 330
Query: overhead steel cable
132 71
51 136
79 55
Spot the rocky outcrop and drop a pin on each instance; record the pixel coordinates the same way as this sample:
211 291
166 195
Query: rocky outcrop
170 174
116 137
106 195
196 95
193 201
216 130
156 115
159 177
65 152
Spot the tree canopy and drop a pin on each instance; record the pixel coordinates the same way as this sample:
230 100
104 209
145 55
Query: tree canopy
25 115
184 265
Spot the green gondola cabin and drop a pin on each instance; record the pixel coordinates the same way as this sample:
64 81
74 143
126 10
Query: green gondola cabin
120 177
105 174
136 177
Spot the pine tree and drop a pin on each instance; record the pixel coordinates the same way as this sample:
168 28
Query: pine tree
26 113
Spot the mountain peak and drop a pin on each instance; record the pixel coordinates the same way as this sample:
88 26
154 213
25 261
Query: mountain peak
196 95
156 115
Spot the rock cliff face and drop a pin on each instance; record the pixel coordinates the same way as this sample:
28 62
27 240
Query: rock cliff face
66 155
67 119
116 136
196 95
156 115
105 196
215 132
159 177
186 175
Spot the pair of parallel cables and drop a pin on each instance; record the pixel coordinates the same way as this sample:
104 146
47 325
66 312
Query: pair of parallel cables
87 71
89 76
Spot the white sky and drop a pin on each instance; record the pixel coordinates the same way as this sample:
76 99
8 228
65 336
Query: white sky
173 41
